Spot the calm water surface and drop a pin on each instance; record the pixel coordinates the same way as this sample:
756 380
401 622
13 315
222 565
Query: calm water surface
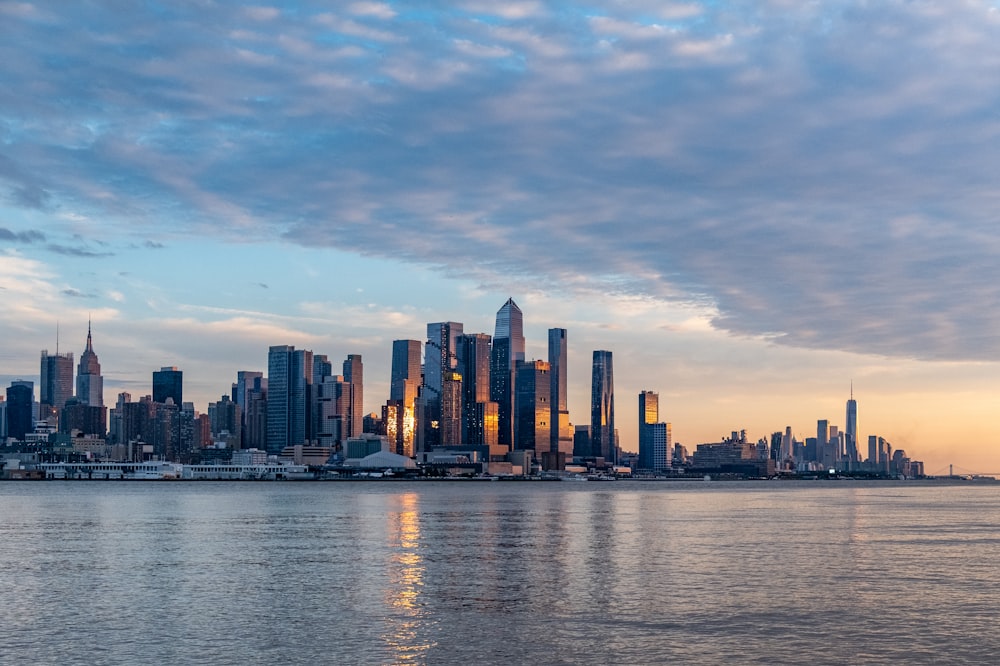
499 573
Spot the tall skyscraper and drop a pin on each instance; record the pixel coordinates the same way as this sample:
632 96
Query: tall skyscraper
822 438
561 435
405 366
532 410
354 375
56 386
440 361
649 413
168 382
602 407
851 436
289 380
508 349
247 382
89 383
479 426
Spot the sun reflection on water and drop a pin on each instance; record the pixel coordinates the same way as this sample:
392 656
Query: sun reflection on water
406 618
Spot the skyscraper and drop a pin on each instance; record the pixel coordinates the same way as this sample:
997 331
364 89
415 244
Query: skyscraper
602 407
508 349
561 435
20 395
89 383
405 366
289 380
168 382
478 424
440 361
56 386
354 375
851 436
649 413
532 411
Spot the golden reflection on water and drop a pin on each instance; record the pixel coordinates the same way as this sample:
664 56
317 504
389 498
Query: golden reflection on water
406 618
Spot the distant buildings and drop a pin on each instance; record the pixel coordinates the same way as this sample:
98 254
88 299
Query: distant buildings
655 437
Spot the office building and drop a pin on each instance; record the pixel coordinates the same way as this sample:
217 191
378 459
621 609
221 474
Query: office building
479 424
354 376
561 430
20 396
508 349
602 407
289 383
168 383
440 360
851 436
532 410
405 367
89 382
56 385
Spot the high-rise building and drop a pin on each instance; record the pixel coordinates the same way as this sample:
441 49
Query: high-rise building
56 385
508 349
561 432
649 413
479 427
450 424
354 375
532 410
168 382
822 440
20 396
405 366
332 411
602 407
289 380
247 381
89 383
440 361
851 436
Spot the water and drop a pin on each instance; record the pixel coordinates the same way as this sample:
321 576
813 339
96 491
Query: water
498 573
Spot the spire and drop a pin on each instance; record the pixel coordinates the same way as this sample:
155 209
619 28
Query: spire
90 346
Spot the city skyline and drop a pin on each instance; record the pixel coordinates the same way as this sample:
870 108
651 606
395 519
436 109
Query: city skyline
447 346
750 206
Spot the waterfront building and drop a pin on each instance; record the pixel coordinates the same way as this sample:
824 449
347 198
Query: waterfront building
56 385
655 445
602 407
331 410
533 412
508 349
250 386
561 431
450 423
289 381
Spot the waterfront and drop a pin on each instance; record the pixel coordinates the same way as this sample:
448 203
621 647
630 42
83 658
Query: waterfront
437 572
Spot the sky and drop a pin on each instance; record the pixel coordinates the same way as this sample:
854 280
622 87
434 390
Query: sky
754 205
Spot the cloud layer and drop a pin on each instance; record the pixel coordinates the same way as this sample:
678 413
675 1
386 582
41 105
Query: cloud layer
820 173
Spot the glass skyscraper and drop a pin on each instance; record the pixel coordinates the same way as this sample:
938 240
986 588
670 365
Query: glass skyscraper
602 407
508 349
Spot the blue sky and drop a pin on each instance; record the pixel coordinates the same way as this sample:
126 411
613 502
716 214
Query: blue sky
750 203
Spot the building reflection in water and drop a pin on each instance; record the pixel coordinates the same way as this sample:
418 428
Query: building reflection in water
406 633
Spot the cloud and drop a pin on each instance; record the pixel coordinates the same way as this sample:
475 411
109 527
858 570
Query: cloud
82 252
817 175
76 293
31 236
